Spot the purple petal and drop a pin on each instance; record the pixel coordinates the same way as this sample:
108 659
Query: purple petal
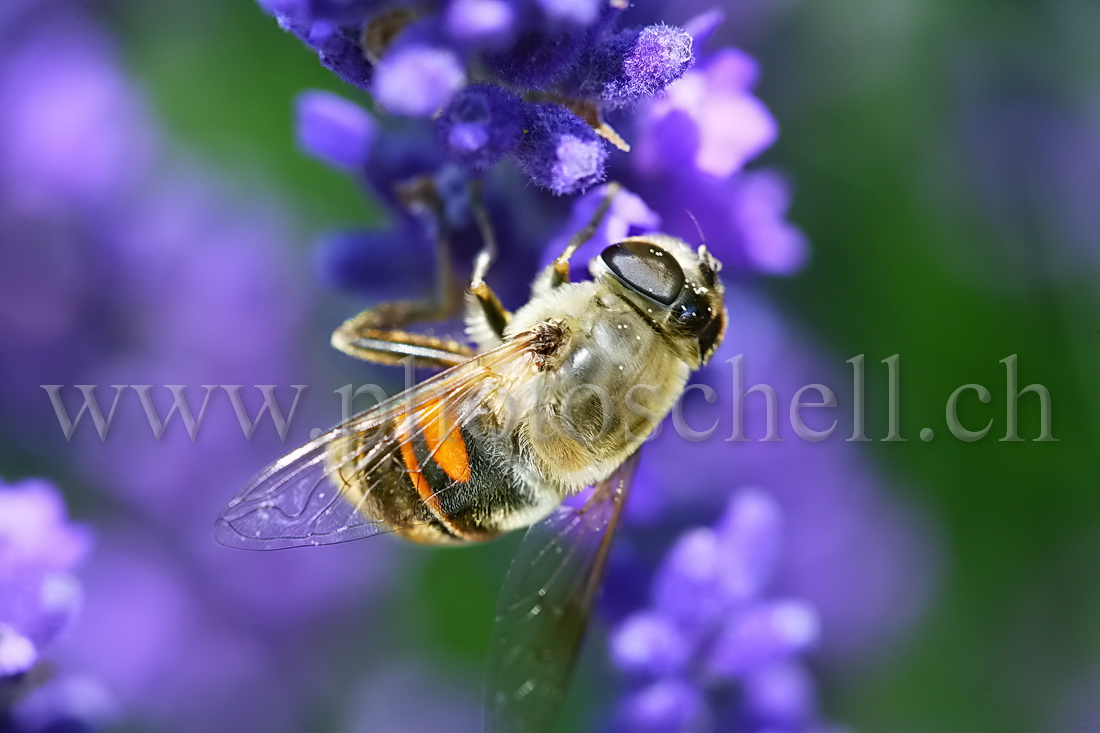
334 130
771 243
708 120
35 534
364 263
701 27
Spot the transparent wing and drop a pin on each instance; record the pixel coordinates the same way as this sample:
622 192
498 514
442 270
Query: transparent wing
321 493
543 609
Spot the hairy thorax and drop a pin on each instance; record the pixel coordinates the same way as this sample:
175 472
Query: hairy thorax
605 379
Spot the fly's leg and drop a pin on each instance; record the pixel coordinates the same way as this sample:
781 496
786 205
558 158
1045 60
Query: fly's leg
557 273
486 316
377 335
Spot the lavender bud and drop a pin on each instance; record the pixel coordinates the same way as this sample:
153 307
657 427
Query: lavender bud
749 533
482 23
763 634
17 653
578 12
416 79
481 124
668 706
647 643
687 587
780 695
334 130
339 49
560 151
633 64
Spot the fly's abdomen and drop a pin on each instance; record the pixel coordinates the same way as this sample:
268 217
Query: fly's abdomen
441 486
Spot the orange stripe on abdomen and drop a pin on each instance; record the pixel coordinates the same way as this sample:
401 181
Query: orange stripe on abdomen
445 442
416 475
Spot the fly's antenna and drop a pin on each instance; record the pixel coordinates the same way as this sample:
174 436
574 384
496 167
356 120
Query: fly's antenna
702 239
708 259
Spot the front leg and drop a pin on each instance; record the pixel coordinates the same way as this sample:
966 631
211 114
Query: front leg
377 334
557 272
486 316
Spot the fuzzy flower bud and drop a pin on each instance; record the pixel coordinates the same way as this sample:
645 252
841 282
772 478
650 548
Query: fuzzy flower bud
416 79
560 151
633 64
334 130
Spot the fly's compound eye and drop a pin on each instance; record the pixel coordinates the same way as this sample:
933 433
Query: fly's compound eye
646 269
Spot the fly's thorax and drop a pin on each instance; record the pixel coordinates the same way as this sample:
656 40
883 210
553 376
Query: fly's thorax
612 378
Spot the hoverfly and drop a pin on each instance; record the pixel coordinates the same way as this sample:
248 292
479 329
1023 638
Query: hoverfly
557 397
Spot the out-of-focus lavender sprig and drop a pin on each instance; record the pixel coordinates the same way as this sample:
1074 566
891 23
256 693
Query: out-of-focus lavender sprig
530 78
712 630
122 265
40 596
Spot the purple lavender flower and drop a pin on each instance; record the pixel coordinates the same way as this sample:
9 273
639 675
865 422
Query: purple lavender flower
554 53
38 550
39 595
710 625
71 126
339 50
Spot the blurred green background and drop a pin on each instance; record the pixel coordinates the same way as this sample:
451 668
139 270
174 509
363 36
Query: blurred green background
934 236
